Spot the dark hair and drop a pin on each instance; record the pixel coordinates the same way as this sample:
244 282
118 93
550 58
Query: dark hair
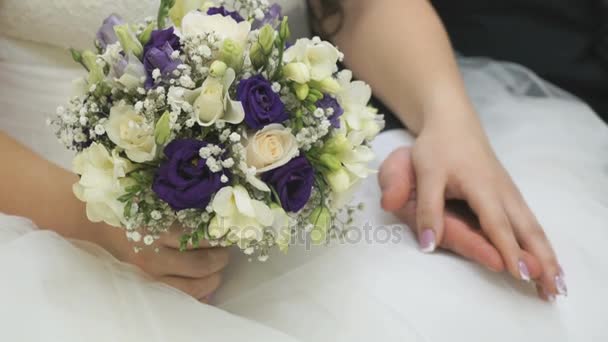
320 15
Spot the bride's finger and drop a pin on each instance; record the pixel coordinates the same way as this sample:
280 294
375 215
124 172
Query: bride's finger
201 288
460 237
534 240
396 179
189 264
172 239
497 227
429 210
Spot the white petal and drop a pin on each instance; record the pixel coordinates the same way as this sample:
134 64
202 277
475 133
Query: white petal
257 183
243 201
223 202
263 213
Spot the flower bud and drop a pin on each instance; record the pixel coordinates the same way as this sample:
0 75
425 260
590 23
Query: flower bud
321 220
218 69
257 56
266 39
339 180
89 60
128 41
301 90
144 37
297 72
76 55
336 144
284 32
162 131
330 161
327 85
232 54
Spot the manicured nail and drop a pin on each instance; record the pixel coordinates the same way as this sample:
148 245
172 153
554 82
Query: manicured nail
523 271
427 241
560 285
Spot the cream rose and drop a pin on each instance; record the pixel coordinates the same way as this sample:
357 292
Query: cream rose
271 147
102 182
130 131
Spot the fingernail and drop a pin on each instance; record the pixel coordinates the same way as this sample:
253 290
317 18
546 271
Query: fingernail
560 285
427 241
208 298
523 271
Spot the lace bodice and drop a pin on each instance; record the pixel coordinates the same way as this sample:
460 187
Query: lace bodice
72 23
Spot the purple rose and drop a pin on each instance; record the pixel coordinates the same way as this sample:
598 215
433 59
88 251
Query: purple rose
262 105
106 34
292 182
221 10
272 17
184 181
330 102
157 54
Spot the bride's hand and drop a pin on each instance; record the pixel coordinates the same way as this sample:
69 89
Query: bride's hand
196 272
481 181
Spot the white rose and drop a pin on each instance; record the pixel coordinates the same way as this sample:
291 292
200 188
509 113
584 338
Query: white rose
321 58
271 147
212 101
130 131
238 216
195 23
101 183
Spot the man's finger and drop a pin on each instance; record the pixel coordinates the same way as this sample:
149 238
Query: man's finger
396 179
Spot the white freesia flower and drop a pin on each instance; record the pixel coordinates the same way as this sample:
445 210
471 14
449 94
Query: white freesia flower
297 72
101 183
271 147
130 131
238 216
354 158
183 7
282 228
195 23
321 58
354 98
125 71
212 103
132 74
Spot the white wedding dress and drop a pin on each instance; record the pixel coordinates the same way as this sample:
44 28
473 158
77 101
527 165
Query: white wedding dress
554 146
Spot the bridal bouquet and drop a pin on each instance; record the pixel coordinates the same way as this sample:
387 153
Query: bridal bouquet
208 118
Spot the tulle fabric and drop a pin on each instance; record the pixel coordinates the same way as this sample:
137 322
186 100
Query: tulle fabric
56 290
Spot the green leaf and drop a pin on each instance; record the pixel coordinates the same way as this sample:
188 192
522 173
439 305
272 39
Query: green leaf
127 209
183 242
